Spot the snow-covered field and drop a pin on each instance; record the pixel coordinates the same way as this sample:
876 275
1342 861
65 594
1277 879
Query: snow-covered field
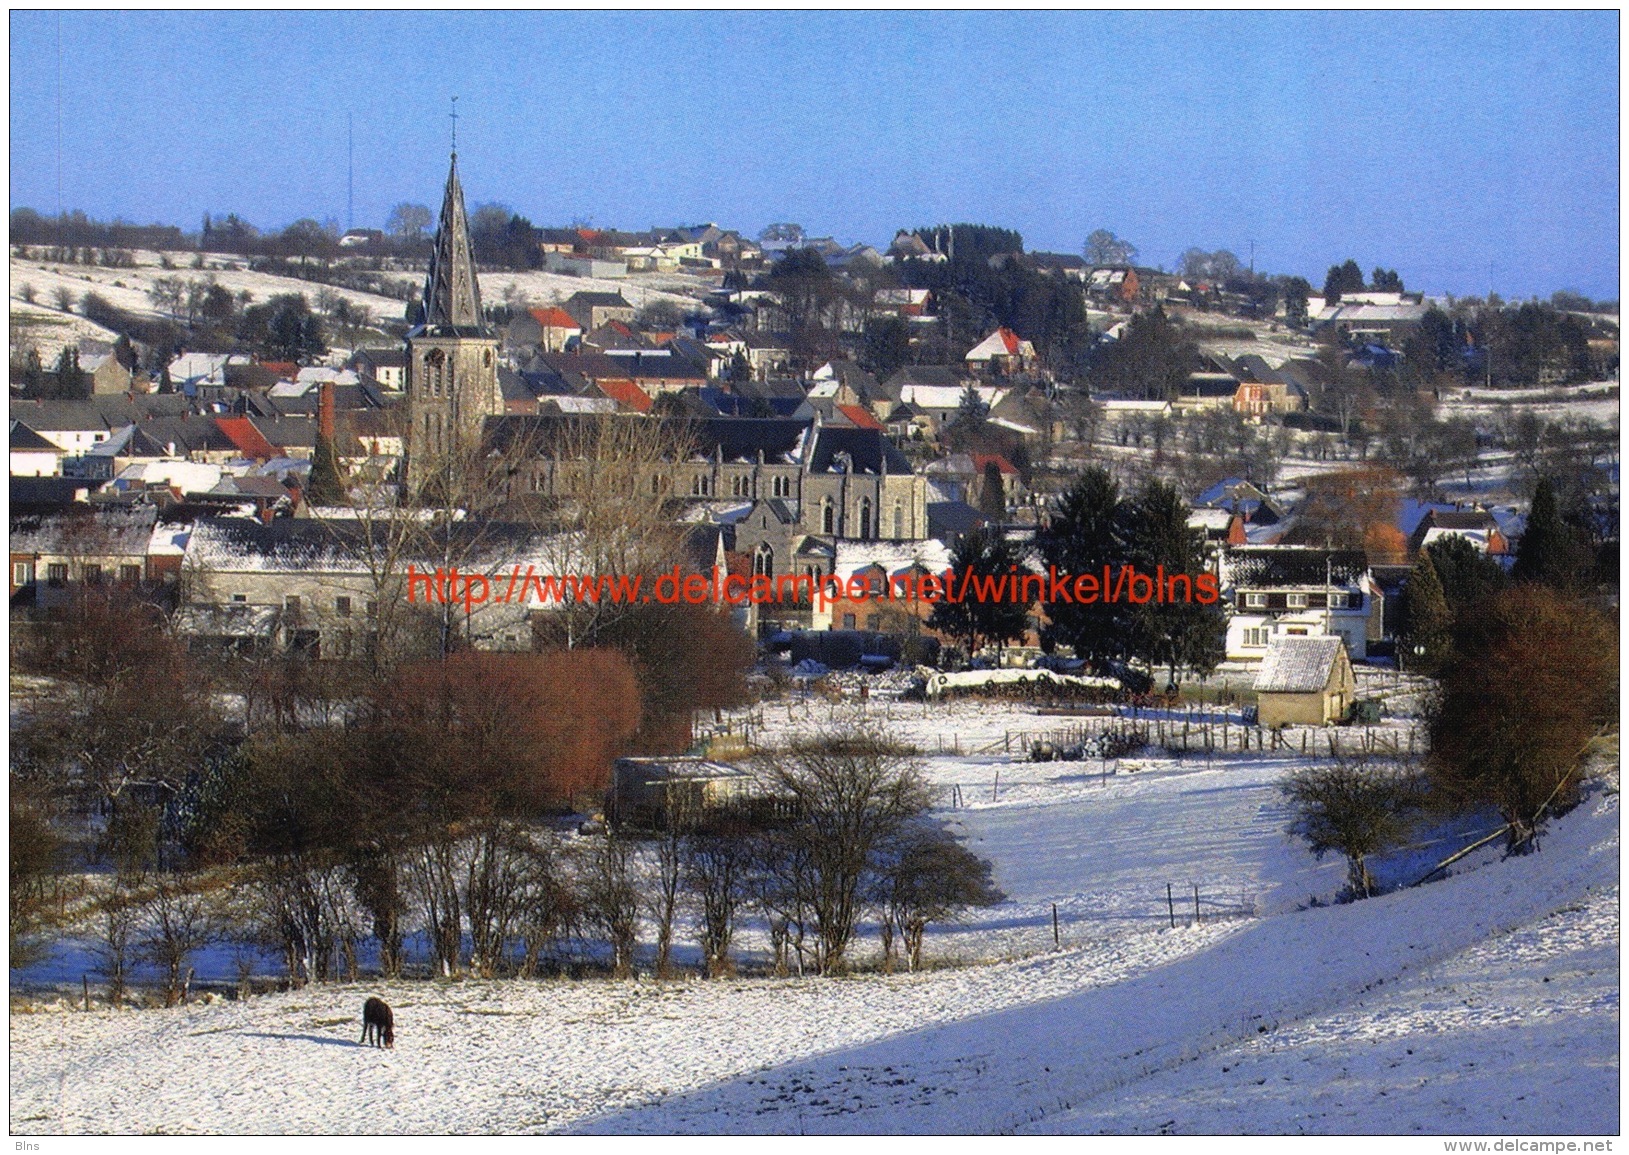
46 326
1484 1003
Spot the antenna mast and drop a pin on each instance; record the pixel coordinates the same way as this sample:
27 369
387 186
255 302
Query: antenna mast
350 171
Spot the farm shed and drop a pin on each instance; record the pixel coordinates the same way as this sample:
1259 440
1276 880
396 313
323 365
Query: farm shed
646 792
1305 681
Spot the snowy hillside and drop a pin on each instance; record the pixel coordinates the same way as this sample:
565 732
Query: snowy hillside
45 325
1487 1002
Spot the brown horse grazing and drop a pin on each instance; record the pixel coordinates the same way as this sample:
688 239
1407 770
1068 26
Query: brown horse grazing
379 1022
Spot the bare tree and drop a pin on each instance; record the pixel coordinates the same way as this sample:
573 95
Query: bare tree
926 876
179 921
115 941
409 221
717 871
1350 807
610 896
851 793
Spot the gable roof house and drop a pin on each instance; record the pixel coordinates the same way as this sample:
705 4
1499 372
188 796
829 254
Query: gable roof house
1476 525
32 455
1118 283
1001 354
1299 591
54 554
1306 682
316 575
591 310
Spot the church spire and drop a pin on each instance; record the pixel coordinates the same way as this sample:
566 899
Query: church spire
452 296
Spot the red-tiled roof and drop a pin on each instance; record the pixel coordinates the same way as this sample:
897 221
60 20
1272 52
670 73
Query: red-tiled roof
860 416
981 460
625 393
554 317
249 441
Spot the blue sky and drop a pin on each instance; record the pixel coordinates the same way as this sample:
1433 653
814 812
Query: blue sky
1463 149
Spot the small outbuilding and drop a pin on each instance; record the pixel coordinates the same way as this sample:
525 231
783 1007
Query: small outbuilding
1305 681
650 793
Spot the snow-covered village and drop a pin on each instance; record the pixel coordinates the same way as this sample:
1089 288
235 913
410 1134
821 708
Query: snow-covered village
1178 694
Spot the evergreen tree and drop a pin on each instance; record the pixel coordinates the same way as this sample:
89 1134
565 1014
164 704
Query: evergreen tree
71 382
993 495
1151 360
1467 574
1087 535
1345 278
1551 551
989 619
1174 629
325 486
1429 637
972 411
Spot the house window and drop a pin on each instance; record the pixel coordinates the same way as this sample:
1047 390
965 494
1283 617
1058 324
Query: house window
701 485
763 562
56 574
741 486
1296 601
22 573
1337 601
1255 601
93 574
781 487
239 599
130 574
873 622
342 607
1257 637
865 519
848 621
828 516
899 520
373 607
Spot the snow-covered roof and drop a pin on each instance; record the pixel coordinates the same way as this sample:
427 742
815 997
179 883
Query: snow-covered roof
187 476
894 557
948 396
1477 537
1297 665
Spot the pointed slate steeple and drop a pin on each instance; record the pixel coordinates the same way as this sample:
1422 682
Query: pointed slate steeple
452 295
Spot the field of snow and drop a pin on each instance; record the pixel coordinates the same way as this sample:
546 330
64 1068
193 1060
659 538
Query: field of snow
1487 1002
48 328
1597 401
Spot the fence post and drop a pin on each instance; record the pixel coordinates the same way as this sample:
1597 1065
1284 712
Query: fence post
1196 904
1170 904
1057 941
995 787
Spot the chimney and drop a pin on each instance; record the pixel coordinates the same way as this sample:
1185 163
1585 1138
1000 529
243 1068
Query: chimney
325 409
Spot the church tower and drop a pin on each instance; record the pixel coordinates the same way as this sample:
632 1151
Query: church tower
452 355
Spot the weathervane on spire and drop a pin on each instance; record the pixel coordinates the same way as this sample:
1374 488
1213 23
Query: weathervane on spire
455 125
